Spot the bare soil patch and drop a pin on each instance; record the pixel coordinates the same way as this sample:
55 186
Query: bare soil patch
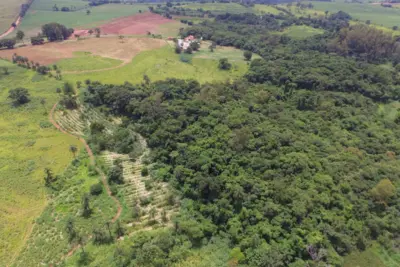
136 25
110 47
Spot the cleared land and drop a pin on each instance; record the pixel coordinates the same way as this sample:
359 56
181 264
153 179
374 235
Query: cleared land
302 32
29 144
9 10
38 15
110 47
139 24
161 64
85 61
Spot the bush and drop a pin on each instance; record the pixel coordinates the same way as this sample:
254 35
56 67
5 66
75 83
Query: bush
96 189
145 171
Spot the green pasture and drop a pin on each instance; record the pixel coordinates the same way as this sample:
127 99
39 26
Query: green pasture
374 256
219 7
258 8
47 5
29 144
231 53
86 61
49 240
34 19
387 17
302 31
160 64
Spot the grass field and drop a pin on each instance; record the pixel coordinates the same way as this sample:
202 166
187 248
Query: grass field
38 15
219 7
387 17
302 32
231 53
374 256
9 10
86 61
161 64
29 144
258 8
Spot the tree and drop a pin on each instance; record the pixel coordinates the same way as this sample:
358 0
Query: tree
20 35
19 96
90 32
97 31
88 12
58 91
70 229
68 89
108 224
189 50
56 32
178 50
37 40
78 84
73 149
121 37
86 210
195 46
43 102
96 189
119 230
248 55
224 64
48 178
383 191
116 174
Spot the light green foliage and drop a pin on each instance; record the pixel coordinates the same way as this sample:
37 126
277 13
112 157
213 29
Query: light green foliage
84 61
49 240
29 145
219 7
302 32
161 64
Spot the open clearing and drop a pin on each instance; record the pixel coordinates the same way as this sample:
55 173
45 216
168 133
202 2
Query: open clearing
9 10
161 64
302 32
29 144
109 47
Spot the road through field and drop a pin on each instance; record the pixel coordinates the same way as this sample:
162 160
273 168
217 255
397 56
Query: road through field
98 170
12 28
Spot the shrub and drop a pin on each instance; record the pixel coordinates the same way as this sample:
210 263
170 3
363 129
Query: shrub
145 171
96 189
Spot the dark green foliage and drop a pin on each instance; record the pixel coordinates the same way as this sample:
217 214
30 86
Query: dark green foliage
195 46
49 177
86 210
266 169
116 174
224 64
247 55
19 96
145 171
100 237
7 43
56 32
37 40
96 189
70 229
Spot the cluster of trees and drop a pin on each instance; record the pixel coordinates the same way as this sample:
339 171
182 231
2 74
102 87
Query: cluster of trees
64 8
365 42
290 176
56 32
26 63
7 43
19 96
24 8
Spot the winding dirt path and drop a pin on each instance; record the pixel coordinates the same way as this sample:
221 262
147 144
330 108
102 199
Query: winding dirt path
93 163
11 29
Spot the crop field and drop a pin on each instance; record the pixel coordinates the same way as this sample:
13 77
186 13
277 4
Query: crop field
161 64
29 144
387 17
302 32
9 10
35 18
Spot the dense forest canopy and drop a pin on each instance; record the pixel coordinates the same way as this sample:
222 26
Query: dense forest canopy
295 164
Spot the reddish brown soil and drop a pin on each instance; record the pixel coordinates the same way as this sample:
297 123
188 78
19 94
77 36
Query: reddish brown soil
136 25
110 47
